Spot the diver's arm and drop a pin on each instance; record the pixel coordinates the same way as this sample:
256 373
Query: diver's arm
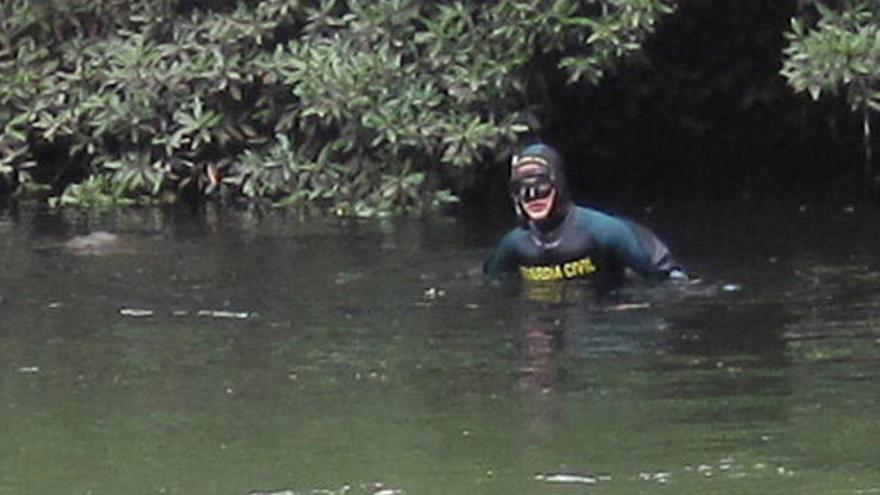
640 249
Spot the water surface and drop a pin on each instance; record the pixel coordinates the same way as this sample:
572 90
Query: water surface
239 352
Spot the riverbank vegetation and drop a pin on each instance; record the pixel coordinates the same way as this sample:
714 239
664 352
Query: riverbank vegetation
352 106
837 50
363 108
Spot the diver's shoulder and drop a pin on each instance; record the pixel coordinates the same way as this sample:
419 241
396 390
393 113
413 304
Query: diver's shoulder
602 226
514 235
595 217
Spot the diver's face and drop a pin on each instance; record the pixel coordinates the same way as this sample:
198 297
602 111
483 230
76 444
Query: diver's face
539 209
536 199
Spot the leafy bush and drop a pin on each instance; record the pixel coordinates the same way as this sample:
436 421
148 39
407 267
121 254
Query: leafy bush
329 103
840 51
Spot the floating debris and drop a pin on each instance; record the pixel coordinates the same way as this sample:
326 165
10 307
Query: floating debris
380 488
136 312
567 478
341 491
28 370
343 278
658 477
731 287
725 464
432 293
629 306
783 471
237 315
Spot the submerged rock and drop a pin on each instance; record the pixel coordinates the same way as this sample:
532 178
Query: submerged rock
96 243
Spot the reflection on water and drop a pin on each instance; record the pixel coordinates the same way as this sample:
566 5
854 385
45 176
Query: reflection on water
240 351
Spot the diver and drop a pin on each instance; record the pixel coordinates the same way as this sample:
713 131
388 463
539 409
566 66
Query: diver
557 240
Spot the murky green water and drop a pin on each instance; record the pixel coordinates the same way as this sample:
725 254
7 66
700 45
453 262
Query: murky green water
231 352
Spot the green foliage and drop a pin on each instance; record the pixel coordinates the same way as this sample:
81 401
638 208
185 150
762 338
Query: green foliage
840 52
96 192
358 107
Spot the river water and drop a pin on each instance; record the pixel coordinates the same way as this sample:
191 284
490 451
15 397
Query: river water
252 352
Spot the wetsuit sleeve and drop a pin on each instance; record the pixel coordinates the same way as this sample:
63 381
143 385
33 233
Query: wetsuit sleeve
659 259
640 249
503 259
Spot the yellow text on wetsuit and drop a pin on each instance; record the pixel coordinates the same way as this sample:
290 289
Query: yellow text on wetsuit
564 271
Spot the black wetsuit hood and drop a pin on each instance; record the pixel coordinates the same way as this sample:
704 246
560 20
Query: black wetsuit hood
551 166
